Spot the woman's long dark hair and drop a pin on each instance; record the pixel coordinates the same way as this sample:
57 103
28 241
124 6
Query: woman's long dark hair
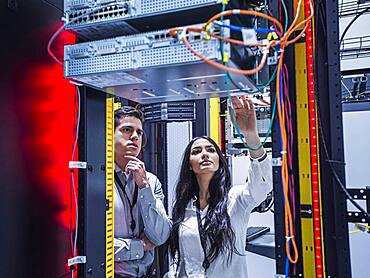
220 237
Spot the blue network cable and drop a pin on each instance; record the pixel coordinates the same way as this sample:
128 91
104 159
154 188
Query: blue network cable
238 28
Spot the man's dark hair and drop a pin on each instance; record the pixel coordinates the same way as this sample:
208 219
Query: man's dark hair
127 111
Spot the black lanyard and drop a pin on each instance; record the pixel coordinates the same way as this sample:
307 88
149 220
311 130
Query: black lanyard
134 200
202 235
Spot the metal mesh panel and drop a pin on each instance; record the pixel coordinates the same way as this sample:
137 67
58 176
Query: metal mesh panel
179 135
99 64
175 54
153 6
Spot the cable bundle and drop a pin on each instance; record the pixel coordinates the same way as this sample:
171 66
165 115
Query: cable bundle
282 40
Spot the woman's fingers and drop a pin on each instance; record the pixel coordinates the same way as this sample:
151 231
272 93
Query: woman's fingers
237 104
245 103
248 103
242 102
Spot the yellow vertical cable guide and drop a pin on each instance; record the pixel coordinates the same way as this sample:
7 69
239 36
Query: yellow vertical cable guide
214 120
304 165
307 229
109 189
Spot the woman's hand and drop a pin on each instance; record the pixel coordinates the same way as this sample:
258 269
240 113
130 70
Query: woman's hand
245 116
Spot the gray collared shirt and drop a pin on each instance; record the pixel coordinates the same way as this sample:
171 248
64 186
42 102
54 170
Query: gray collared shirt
150 216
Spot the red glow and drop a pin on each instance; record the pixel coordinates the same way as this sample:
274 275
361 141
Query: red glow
46 109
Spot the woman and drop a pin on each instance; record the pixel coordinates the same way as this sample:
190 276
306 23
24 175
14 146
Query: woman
209 216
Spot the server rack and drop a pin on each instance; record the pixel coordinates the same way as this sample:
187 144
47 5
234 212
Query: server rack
335 239
93 223
325 254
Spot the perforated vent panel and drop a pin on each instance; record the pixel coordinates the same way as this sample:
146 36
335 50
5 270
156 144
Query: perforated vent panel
99 64
174 55
127 61
178 136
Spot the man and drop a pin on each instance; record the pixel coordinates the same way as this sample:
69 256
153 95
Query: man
140 220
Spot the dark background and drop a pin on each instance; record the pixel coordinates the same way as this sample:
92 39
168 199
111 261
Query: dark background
37 108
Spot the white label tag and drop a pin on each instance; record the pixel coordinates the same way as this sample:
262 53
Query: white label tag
77 260
249 36
77 164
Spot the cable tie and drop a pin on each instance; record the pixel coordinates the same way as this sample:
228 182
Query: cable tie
77 165
283 152
289 238
76 260
236 11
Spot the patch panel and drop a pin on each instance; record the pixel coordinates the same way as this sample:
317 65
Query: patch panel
94 19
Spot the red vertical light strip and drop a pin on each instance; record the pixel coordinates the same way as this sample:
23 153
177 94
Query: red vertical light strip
313 144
